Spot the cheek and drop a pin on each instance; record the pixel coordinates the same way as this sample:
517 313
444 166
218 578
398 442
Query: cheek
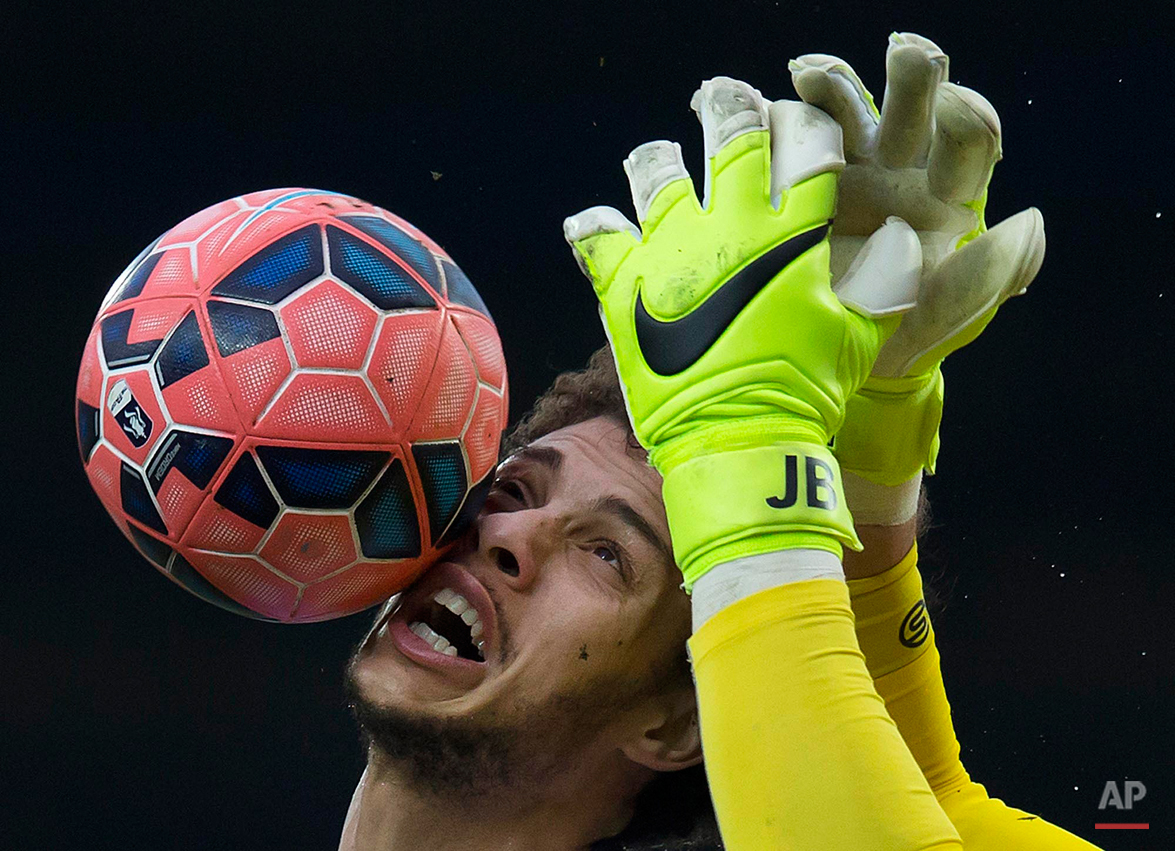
582 633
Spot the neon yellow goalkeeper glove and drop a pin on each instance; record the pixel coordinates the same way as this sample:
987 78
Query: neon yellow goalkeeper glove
734 352
927 157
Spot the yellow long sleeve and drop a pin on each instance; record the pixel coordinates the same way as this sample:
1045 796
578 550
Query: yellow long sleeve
897 638
800 753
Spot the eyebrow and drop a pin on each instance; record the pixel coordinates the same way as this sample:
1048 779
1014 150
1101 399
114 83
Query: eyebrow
615 506
621 510
544 456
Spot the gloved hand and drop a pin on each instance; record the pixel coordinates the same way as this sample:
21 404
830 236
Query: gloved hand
927 157
735 354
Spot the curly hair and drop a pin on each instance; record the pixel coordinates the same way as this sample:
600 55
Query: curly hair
575 397
673 813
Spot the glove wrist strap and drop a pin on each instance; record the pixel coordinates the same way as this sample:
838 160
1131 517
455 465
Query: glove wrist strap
891 429
749 500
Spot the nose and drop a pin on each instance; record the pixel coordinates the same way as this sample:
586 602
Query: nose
517 543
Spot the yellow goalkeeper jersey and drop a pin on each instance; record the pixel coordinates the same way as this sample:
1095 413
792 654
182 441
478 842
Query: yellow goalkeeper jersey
801 752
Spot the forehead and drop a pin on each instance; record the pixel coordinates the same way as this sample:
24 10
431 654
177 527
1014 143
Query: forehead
600 458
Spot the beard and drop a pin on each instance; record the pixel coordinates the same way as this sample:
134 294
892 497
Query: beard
493 751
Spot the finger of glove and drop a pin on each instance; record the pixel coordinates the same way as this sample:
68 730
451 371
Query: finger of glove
830 84
959 297
600 237
883 278
914 67
731 110
658 179
804 142
966 144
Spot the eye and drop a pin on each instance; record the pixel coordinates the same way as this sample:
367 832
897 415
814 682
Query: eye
510 491
610 554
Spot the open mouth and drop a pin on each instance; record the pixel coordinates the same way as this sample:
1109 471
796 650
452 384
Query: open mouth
446 621
451 626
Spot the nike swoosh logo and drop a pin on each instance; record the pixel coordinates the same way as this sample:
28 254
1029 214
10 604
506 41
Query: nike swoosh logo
672 347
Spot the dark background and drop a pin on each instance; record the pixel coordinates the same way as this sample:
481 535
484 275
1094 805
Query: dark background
135 716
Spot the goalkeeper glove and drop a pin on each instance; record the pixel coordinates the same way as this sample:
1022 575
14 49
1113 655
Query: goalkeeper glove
927 157
735 355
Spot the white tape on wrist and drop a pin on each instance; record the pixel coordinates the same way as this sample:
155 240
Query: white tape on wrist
729 582
881 505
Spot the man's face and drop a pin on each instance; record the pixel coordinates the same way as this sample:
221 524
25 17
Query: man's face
570 572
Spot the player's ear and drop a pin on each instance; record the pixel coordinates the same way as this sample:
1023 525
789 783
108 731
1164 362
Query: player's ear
672 741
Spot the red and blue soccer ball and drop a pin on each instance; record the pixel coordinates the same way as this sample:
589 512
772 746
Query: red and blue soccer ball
291 402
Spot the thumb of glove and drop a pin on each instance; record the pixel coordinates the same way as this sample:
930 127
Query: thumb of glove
883 278
959 297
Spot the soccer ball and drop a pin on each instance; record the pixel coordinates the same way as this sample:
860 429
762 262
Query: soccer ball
291 402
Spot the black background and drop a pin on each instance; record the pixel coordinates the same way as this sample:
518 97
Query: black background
135 716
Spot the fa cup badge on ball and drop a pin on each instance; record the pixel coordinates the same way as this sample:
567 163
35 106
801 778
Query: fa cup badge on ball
129 413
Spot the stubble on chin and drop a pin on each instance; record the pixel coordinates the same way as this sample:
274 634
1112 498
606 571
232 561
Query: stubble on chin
493 751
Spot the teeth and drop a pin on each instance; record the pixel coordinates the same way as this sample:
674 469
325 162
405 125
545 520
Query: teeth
423 630
439 642
459 606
